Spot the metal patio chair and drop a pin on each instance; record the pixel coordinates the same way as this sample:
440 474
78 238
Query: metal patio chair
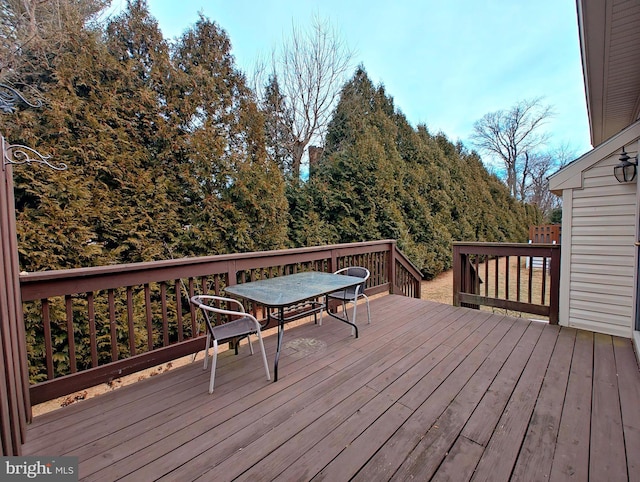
239 325
351 294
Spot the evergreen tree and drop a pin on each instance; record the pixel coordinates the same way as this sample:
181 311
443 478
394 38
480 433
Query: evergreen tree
279 127
166 147
151 198
380 178
234 194
34 31
112 204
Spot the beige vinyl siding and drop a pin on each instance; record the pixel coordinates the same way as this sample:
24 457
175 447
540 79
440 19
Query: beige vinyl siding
602 252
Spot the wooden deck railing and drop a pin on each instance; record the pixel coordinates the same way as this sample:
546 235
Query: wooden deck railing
126 318
517 277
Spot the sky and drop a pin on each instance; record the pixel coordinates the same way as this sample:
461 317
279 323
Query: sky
445 63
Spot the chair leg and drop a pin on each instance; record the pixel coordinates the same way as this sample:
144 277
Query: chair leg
213 365
366 298
206 350
264 356
355 311
315 315
250 345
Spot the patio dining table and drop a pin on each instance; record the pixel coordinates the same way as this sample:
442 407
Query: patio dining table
283 292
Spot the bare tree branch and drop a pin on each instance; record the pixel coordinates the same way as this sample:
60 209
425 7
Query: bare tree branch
37 25
512 138
541 167
310 68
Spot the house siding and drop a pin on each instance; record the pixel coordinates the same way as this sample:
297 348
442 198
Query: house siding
602 237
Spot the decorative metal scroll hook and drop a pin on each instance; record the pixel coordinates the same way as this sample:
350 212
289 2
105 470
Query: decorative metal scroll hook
19 154
10 98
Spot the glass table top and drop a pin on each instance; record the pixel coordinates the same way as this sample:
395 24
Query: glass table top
292 289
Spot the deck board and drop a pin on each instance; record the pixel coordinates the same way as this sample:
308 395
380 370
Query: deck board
427 392
629 385
536 454
501 453
608 459
571 457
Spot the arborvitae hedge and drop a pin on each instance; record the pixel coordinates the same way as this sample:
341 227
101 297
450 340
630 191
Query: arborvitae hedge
380 178
169 155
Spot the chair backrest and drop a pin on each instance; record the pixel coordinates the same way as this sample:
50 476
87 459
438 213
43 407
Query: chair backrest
359 272
218 305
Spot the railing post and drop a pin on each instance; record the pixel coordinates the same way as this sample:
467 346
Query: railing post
232 272
15 403
392 267
554 289
333 261
457 274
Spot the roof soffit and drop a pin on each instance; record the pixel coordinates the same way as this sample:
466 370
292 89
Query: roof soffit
610 44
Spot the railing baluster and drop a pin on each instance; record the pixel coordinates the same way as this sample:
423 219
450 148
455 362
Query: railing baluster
204 286
148 316
530 275
486 276
495 274
70 334
130 327
544 280
507 270
48 349
195 331
165 319
518 278
93 342
113 326
476 266
176 288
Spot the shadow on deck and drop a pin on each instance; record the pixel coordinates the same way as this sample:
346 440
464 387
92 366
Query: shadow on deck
428 391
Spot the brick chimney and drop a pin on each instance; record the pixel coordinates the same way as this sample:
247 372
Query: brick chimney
314 155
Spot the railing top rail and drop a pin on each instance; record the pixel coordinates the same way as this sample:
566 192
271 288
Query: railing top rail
408 265
61 282
506 249
26 278
506 245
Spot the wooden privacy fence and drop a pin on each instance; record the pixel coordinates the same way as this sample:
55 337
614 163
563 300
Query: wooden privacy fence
545 233
91 325
504 275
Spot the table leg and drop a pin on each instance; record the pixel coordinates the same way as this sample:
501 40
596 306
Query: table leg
280 333
344 320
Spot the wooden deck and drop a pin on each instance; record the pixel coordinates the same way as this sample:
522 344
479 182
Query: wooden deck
427 392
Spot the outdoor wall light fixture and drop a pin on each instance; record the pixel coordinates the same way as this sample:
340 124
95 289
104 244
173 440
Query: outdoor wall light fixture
625 171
